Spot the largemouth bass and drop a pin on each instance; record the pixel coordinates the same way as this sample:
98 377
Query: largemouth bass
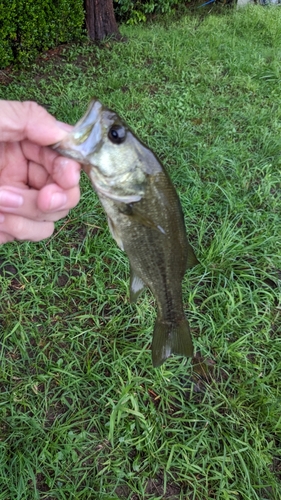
144 216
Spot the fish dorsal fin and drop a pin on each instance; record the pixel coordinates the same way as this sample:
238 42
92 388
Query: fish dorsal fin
136 286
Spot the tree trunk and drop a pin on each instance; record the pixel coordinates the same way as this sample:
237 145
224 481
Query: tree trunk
100 19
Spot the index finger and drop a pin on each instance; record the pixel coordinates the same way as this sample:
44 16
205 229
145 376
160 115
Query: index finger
64 171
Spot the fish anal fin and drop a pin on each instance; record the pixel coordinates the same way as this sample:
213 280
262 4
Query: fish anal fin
136 286
170 338
191 257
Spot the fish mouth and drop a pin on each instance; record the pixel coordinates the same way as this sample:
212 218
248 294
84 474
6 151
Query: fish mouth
85 138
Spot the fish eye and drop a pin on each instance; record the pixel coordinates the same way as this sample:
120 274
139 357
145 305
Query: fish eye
117 134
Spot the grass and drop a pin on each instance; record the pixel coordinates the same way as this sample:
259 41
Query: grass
83 413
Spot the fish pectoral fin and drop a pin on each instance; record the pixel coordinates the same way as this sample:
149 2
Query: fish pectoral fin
136 286
132 210
170 338
115 233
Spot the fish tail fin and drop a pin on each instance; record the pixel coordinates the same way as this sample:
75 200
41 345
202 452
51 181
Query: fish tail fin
170 338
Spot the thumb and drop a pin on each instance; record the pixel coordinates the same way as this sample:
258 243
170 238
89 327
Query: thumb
28 120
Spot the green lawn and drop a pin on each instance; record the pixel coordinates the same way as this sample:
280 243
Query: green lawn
83 415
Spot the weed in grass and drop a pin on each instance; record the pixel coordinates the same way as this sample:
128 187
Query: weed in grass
83 414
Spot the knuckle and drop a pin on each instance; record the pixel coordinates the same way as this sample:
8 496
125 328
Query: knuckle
46 230
20 228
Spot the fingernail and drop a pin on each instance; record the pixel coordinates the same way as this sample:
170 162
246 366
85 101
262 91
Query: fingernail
10 199
58 200
2 218
64 166
76 177
64 126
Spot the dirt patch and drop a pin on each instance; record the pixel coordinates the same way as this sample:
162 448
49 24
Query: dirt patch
55 58
154 487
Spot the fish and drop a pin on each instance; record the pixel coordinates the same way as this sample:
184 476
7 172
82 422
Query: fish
144 215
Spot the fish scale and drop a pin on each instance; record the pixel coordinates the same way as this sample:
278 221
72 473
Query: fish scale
144 216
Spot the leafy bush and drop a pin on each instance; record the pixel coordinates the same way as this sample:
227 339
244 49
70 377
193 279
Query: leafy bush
135 11
27 27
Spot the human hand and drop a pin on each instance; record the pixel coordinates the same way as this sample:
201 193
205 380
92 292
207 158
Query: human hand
37 185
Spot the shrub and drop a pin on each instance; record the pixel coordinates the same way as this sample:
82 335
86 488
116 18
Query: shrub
27 27
135 11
